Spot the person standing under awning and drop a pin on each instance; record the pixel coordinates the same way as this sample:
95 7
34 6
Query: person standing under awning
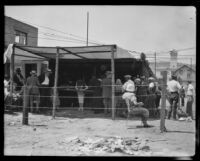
129 90
46 82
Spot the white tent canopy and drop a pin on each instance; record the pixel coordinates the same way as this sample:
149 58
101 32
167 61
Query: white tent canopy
82 52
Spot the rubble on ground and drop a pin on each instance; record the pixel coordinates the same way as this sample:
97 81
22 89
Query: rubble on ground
101 145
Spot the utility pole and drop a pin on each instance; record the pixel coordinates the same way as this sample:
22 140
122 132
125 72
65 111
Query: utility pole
155 63
87 27
191 62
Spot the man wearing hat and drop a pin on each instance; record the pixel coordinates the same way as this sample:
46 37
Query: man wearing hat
129 90
18 79
173 87
151 97
107 91
33 90
46 82
142 90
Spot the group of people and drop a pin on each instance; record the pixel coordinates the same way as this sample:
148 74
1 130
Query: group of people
39 89
141 93
177 93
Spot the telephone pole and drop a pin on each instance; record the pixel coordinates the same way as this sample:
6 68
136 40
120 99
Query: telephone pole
87 27
155 63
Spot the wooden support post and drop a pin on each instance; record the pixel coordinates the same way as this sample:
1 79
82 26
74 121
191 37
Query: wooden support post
12 68
25 106
113 81
163 104
55 83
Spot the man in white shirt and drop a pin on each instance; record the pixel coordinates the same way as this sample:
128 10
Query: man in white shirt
129 90
190 99
173 87
45 91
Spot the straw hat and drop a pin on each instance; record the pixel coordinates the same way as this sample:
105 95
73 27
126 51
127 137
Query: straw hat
151 78
48 70
127 76
33 72
137 80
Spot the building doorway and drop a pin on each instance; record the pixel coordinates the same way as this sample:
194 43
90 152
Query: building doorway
29 68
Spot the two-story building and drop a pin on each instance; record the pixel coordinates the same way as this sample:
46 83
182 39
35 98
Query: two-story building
21 33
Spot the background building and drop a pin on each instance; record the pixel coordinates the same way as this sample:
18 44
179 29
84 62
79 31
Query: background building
173 66
20 33
185 74
24 34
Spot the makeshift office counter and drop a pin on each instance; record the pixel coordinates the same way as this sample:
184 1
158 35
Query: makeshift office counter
85 60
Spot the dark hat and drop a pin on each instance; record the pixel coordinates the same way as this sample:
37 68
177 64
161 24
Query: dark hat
142 77
18 70
127 76
174 77
108 72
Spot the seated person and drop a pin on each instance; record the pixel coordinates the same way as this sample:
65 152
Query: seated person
14 100
183 116
137 109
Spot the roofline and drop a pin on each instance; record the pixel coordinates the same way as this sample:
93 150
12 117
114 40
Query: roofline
183 66
22 22
63 46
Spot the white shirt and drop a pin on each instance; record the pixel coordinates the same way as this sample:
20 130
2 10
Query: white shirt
151 85
190 90
173 86
46 80
129 86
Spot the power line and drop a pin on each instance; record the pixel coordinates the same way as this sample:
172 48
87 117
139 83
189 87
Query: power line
48 38
49 28
59 36
72 40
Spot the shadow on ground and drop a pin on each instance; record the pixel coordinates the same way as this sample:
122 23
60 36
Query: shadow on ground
11 112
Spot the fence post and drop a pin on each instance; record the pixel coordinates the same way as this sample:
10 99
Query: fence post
55 84
25 106
163 104
113 80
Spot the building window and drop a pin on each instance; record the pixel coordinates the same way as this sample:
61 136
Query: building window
181 72
20 37
188 75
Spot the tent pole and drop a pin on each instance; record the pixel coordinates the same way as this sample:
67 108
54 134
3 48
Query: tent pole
55 83
113 81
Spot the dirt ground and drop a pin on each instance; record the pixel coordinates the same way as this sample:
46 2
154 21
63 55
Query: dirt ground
45 136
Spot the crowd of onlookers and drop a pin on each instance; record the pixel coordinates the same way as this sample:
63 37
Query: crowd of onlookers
97 94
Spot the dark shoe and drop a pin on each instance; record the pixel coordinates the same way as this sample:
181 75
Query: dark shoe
147 126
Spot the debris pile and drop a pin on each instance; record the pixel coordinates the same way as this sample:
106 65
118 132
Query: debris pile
100 145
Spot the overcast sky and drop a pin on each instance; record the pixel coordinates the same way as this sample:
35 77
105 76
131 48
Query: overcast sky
138 28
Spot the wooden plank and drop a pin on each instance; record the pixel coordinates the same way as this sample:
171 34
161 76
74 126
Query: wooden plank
163 104
55 83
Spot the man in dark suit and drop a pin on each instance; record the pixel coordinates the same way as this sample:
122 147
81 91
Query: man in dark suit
47 82
18 79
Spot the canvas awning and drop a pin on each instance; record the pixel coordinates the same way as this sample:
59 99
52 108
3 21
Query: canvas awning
82 52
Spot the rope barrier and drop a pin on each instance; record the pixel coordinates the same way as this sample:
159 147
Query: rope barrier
73 108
